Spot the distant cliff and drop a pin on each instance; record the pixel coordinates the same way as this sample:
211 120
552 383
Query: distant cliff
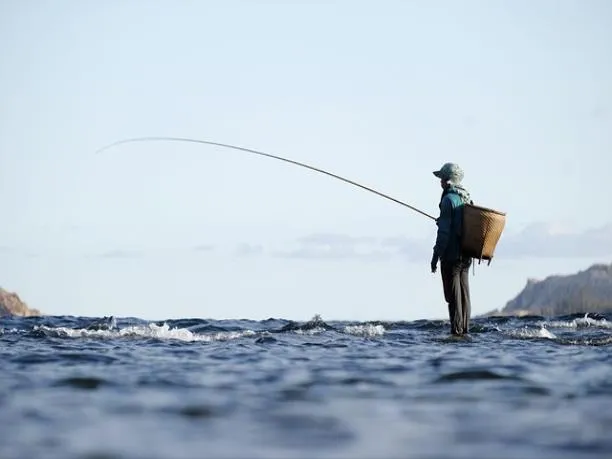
586 291
11 305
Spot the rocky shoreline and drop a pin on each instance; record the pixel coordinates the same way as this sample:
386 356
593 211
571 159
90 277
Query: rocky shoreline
587 291
12 305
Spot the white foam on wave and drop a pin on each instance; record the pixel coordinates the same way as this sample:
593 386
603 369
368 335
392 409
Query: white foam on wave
147 331
580 322
365 330
541 332
9 331
311 331
591 342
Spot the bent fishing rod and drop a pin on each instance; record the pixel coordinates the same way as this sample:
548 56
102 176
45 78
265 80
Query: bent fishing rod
261 153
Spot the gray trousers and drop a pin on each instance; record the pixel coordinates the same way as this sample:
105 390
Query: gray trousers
455 280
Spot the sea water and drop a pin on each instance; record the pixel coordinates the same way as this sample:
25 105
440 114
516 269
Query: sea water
531 387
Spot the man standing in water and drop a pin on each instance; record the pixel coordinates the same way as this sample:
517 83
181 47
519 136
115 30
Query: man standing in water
454 266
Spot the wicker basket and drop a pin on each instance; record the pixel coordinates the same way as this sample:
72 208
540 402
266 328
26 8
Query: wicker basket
482 229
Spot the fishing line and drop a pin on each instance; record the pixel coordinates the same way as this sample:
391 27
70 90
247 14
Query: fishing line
261 153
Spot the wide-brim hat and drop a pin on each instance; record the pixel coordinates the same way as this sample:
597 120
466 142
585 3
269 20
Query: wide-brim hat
450 172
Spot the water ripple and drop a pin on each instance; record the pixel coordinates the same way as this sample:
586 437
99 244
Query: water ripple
529 387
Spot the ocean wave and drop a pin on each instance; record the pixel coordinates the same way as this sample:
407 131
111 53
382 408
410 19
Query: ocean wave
531 333
580 322
163 332
586 329
309 331
474 375
369 330
82 382
597 341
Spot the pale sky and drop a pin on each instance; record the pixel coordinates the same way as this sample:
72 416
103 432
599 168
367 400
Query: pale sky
518 93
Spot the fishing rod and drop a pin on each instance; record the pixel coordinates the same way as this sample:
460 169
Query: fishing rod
261 153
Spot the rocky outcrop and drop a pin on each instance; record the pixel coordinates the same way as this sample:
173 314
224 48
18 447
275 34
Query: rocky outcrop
11 305
586 291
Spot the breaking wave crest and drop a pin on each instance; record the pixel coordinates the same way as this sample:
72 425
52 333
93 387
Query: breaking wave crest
532 333
580 322
152 330
588 330
368 330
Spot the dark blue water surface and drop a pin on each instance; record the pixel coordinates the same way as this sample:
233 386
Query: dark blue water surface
529 387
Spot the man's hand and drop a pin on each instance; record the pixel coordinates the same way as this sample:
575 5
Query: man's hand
434 263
